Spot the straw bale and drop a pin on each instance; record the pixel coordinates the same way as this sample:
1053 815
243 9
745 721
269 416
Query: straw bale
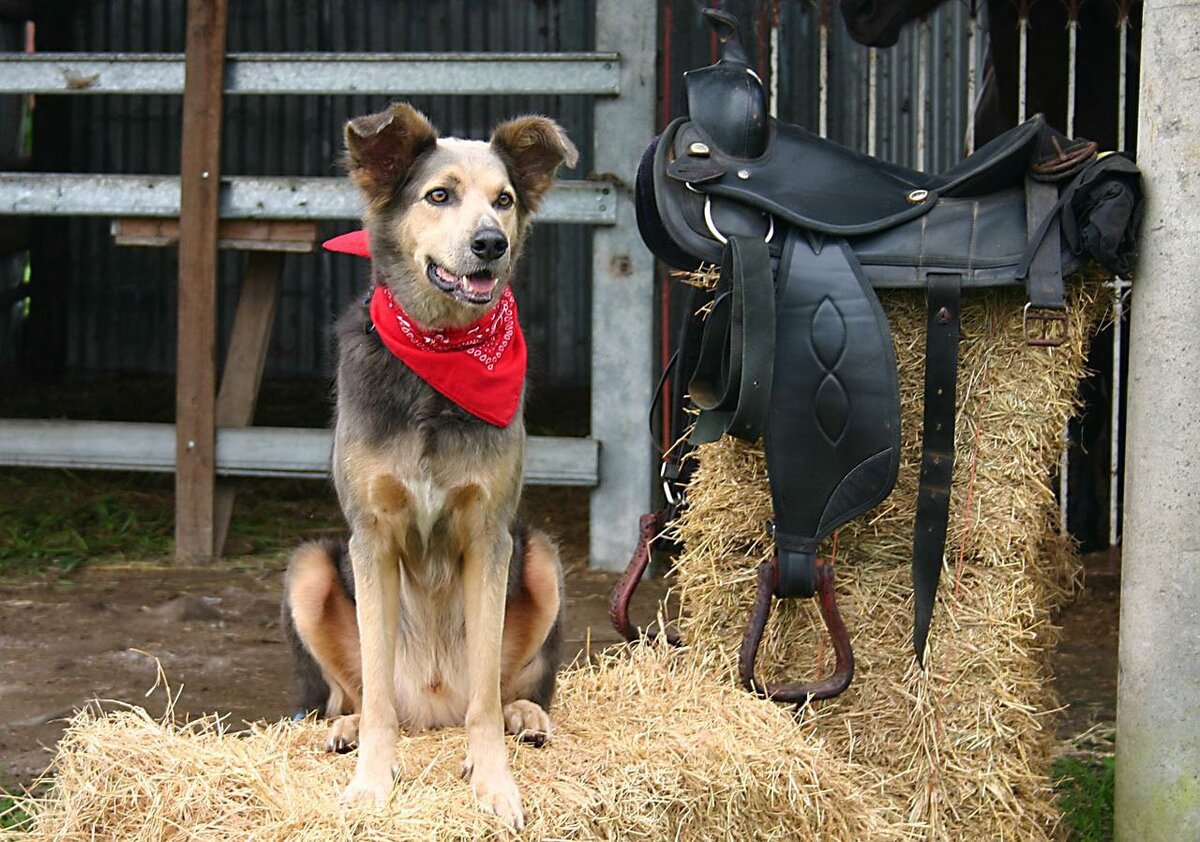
660 744
965 746
648 746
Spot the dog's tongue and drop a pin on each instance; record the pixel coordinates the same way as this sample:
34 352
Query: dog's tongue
481 283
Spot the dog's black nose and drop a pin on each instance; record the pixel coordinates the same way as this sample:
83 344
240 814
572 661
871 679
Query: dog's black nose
489 243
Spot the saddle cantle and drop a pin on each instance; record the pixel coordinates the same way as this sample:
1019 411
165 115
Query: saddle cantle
793 346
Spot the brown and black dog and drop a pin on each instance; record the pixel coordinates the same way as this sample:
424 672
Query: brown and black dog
442 609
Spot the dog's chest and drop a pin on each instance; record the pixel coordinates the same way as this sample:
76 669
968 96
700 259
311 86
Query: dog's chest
431 670
428 502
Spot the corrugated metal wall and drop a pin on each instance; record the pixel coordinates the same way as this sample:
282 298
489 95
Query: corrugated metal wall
122 303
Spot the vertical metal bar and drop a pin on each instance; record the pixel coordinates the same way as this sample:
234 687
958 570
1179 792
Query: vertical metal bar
1119 285
622 289
922 91
195 372
823 71
1064 462
1023 60
872 98
972 69
773 92
1122 64
1072 38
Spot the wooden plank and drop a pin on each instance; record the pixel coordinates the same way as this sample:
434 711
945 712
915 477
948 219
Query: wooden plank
290 452
195 372
244 363
241 234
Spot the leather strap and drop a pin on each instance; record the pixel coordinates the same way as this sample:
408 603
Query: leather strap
732 380
1042 265
937 449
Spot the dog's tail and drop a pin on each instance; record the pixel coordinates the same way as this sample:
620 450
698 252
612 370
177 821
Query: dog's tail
321 560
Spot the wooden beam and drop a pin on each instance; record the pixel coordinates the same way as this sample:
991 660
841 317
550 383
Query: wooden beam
242 234
244 363
195 372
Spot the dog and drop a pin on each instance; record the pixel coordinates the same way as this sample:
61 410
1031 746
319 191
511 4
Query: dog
441 609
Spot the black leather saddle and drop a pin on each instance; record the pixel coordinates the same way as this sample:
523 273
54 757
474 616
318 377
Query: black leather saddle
794 347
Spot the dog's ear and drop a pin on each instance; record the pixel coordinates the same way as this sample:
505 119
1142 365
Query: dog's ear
381 148
534 148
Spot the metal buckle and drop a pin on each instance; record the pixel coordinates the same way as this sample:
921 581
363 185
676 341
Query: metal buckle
1046 336
667 483
721 238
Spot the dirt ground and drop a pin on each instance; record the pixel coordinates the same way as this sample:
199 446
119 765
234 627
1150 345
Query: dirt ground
216 633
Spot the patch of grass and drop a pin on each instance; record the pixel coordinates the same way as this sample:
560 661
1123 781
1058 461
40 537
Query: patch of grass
53 521
1085 796
12 817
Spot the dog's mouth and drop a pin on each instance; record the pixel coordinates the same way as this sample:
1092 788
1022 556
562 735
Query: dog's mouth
475 288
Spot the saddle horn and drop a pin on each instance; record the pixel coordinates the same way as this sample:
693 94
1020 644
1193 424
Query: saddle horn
727 99
728 33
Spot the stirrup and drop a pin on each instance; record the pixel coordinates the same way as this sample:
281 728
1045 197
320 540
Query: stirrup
649 527
799 694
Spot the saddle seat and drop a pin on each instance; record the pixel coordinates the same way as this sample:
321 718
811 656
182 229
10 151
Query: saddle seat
823 186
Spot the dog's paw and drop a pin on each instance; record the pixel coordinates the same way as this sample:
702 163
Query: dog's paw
526 721
343 734
497 793
364 789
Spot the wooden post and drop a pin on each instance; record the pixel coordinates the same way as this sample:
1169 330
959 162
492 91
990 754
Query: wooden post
248 346
195 372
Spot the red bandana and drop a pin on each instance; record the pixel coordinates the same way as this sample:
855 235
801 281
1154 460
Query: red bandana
480 367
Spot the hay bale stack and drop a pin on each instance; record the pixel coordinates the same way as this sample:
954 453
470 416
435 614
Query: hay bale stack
649 746
964 748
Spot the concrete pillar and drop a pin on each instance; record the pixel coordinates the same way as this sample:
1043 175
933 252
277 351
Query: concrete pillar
1158 708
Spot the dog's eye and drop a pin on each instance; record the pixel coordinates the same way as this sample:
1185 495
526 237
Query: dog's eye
437 196
504 200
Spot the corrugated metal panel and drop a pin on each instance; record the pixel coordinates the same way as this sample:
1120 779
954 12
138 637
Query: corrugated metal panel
124 303
799 71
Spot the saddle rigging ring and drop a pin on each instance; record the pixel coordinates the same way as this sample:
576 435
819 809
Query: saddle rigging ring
712 226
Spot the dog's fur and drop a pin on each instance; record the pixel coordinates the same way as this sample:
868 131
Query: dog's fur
441 610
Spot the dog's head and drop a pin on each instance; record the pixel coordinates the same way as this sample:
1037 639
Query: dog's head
447 217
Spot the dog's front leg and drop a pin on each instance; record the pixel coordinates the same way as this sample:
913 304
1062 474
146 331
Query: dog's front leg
377 595
485 572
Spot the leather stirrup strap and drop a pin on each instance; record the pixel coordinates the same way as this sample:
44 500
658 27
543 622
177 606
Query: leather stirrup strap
1041 267
732 380
937 449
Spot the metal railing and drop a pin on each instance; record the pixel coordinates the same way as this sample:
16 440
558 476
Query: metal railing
614 460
